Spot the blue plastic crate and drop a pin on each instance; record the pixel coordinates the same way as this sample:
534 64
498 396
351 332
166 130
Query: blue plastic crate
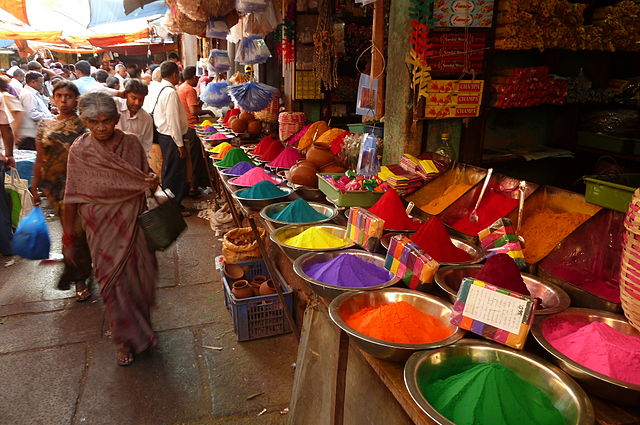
261 316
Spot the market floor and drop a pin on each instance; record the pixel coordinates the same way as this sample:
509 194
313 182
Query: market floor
58 365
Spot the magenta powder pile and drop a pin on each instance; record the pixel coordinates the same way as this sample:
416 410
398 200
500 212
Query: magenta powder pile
599 347
287 158
253 176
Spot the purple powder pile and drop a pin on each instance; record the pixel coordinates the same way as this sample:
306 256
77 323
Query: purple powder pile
349 271
240 168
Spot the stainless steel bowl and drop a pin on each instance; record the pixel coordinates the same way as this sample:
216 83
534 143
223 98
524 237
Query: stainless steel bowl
565 394
601 385
231 181
249 147
331 291
351 302
554 299
258 204
278 236
476 253
273 209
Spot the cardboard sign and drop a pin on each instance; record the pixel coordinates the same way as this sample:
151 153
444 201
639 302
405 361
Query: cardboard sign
453 98
463 13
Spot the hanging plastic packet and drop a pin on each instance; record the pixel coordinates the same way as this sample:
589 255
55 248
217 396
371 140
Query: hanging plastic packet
216 94
248 6
368 164
217 28
252 50
220 61
252 96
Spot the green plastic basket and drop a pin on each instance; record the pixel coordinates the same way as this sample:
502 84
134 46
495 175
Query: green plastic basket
351 198
613 192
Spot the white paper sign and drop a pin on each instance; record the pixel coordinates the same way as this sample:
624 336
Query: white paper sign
495 309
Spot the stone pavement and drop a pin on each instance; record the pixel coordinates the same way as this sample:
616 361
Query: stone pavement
57 364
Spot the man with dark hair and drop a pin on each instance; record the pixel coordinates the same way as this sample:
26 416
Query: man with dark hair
101 76
192 108
171 124
173 57
134 119
35 109
86 83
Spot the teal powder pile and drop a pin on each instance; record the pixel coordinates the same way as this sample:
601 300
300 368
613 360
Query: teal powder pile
263 190
489 394
299 211
232 157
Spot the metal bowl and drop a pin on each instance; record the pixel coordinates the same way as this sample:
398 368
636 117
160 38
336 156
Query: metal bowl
331 291
231 181
351 302
601 385
248 147
565 394
476 253
283 233
258 204
270 210
554 299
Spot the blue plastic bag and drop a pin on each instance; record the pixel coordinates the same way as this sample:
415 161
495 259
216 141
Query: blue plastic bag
31 239
216 94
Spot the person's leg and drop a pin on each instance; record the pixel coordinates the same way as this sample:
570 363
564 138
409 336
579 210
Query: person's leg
173 167
199 178
5 217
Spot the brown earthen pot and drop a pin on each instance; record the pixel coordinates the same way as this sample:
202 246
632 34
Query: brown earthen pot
304 174
267 288
256 282
320 154
332 168
241 289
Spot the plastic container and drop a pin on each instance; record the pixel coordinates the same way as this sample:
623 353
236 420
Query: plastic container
613 192
356 127
260 316
351 198
606 142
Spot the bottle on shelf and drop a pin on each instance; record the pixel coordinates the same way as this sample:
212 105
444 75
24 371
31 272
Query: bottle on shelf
446 149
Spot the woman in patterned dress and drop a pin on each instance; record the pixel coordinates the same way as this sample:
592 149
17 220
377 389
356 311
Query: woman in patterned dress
53 140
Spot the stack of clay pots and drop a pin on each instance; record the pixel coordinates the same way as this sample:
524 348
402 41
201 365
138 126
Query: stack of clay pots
245 122
242 288
319 159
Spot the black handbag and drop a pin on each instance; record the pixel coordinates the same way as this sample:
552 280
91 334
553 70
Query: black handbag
162 225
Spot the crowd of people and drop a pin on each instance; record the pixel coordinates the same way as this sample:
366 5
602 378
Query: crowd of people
93 130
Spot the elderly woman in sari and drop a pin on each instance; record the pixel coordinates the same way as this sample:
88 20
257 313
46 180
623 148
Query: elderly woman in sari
107 177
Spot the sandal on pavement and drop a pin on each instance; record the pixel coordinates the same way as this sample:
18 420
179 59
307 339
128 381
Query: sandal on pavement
125 357
83 295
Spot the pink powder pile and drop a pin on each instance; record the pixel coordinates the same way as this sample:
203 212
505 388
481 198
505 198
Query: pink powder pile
599 347
287 158
253 176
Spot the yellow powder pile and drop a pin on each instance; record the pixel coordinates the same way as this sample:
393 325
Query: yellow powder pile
453 192
315 238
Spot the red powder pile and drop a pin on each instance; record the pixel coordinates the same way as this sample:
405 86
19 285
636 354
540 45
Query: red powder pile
272 153
287 158
390 208
264 145
433 239
500 270
494 205
229 114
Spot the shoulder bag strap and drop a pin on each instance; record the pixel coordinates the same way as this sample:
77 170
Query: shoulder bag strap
158 98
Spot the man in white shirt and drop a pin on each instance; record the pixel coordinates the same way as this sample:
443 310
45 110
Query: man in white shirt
35 109
134 119
121 73
17 80
171 123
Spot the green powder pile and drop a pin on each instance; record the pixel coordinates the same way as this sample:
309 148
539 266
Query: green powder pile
299 211
263 190
489 394
232 157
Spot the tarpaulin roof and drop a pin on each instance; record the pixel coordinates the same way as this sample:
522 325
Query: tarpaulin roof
107 40
111 11
17 8
44 36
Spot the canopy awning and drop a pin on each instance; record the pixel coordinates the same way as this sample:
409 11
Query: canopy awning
112 11
17 8
44 36
107 40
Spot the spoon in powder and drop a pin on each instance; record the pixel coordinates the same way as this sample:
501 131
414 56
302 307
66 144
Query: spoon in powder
522 188
473 217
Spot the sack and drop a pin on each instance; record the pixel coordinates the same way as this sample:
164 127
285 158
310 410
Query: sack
239 245
162 225
18 191
31 239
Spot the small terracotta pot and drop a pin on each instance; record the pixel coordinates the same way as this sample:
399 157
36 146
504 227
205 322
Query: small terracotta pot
320 154
233 271
304 174
241 289
332 168
267 288
256 282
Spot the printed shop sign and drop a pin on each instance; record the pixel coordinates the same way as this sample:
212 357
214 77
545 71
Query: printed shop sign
463 13
453 98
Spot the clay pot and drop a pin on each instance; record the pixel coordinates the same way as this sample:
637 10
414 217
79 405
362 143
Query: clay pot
256 282
267 288
247 116
320 154
239 125
332 168
241 289
254 127
233 271
304 174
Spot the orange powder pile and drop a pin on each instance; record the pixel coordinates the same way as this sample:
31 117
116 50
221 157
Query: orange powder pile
544 229
398 322
453 192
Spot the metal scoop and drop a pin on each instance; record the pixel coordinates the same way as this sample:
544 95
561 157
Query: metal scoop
473 217
522 188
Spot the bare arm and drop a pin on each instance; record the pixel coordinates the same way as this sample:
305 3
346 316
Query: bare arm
7 140
37 170
69 220
197 110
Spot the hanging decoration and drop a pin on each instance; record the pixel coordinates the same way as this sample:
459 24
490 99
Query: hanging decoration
420 14
325 58
285 36
252 96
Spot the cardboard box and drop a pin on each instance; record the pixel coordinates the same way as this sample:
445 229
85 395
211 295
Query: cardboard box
463 13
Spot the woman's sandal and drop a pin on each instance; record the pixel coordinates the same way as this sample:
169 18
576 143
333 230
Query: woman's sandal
83 295
125 357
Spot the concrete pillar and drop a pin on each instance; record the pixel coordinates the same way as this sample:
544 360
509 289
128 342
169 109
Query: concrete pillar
401 134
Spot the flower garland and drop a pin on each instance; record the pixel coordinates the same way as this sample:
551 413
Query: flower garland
325 57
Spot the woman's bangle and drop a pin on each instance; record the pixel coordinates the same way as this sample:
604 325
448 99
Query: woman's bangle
68 239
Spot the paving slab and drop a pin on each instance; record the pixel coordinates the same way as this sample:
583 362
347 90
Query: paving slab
197 255
35 307
180 307
162 386
78 324
41 387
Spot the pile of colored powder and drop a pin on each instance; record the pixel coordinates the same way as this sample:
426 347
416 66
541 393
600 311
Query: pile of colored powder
494 205
287 158
206 123
584 279
253 176
232 157
350 271
450 195
500 270
434 240
262 190
391 209
264 145
240 168
315 238
398 322
223 152
489 394
272 153
299 211
220 147
597 346
544 229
